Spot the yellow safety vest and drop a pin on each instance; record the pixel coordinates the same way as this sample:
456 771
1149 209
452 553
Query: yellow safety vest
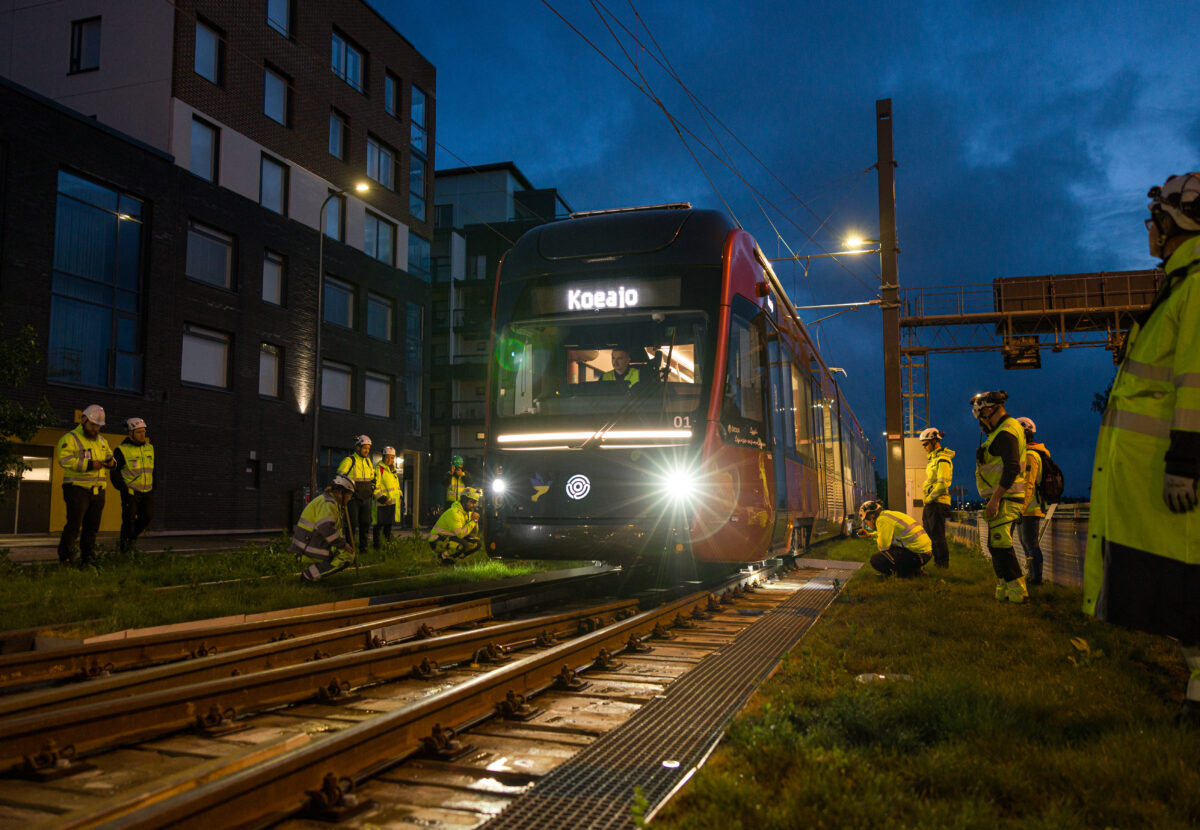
1156 390
895 528
631 377
387 484
991 469
319 530
74 451
455 488
939 473
1033 480
455 521
138 472
360 470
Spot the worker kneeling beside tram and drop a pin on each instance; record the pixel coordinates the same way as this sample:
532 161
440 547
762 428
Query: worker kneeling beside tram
456 533
904 546
319 537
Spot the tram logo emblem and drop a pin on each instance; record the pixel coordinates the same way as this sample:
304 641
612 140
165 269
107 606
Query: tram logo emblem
540 486
578 486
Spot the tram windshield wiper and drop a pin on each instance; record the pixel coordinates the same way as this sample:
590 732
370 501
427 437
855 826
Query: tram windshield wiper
640 394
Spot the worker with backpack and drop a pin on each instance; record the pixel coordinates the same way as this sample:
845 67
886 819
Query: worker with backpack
1043 487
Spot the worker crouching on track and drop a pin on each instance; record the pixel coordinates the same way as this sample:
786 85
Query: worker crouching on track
999 475
319 536
456 533
904 546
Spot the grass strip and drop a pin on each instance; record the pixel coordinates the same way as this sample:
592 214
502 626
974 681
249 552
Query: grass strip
1015 716
123 591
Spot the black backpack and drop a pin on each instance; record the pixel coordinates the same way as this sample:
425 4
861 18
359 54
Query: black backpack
1050 491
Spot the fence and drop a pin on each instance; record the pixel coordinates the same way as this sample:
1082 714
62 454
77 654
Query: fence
1063 542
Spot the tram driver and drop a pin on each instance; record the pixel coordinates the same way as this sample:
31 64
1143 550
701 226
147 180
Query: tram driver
621 369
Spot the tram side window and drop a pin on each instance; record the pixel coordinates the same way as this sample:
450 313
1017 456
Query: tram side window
742 407
802 407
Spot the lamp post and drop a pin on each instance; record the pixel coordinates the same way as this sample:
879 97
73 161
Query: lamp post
361 187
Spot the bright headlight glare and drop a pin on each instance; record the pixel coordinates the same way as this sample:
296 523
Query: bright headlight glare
680 484
498 486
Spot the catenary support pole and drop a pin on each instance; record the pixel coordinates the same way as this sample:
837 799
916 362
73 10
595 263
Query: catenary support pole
890 305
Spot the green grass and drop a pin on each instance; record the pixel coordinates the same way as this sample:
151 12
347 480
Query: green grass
1016 716
136 591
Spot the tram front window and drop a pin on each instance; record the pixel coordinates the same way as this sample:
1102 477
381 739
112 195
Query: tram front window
643 367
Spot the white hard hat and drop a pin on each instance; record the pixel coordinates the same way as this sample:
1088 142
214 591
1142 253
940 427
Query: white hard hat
982 400
869 508
95 414
360 440
342 482
931 434
134 423
1027 424
1179 198
389 450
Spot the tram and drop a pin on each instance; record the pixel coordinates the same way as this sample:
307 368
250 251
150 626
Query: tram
653 393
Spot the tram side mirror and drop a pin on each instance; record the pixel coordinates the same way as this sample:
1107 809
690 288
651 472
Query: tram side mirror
658 317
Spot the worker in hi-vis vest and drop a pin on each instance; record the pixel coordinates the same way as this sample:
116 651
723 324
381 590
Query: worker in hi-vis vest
319 538
939 474
133 476
85 459
1142 568
904 546
999 475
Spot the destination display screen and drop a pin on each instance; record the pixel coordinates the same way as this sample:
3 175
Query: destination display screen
604 295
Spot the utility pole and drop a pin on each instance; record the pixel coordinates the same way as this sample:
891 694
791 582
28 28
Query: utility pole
890 304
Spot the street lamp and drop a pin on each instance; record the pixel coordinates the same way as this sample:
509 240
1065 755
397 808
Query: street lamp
361 187
855 242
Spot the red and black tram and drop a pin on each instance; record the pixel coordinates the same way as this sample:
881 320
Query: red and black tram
653 393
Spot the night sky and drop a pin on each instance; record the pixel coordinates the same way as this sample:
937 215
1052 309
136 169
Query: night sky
1026 134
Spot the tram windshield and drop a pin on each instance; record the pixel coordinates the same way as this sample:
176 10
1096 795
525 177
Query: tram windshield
642 366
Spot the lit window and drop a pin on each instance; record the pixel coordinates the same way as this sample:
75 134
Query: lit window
277 97
209 256
339 303
379 238
210 53
268 370
279 16
379 317
204 153
347 62
380 162
273 185
337 135
377 397
336 383
85 45
205 357
273 275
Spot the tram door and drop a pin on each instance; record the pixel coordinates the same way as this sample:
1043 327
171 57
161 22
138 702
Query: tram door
779 374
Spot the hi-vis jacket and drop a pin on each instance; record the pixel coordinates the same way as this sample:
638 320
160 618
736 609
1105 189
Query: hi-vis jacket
74 451
455 484
939 472
1033 479
895 528
456 522
1143 561
362 472
990 468
319 531
135 466
387 485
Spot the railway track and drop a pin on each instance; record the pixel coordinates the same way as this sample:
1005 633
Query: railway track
268 742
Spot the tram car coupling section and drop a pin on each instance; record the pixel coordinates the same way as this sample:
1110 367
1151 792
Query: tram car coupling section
653 392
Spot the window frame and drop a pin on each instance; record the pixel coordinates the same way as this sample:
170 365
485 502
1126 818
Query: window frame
336 115
214 153
78 45
339 61
285 171
391 94
386 380
219 53
340 285
348 371
214 235
276 352
381 149
387 304
286 29
270 72
374 218
199 332
339 216
270 255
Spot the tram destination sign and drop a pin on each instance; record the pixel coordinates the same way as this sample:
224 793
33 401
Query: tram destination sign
605 295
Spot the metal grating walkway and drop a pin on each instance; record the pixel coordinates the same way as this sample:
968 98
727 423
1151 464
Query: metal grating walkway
595 788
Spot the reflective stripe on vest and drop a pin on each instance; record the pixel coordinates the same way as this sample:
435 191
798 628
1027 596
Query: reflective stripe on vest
989 473
1136 422
138 472
1188 379
911 532
319 528
455 489
1147 371
84 450
360 470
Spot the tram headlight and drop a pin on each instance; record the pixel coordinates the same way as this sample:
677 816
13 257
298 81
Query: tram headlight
680 485
499 486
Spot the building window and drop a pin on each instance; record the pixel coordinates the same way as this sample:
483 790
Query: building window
381 162
339 303
377 395
210 53
391 94
335 217
85 45
205 357
337 135
277 97
379 317
273 278
279 16
336 383
268 370
379 238
273 185
418 257
416 187
206 143
347 61
443 216
95 306
209 256
414 362
419 134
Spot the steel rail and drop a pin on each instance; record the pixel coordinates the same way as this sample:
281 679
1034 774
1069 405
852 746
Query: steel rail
92 726
90 660
275 789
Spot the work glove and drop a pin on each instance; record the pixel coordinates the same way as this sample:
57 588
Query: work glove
1179 492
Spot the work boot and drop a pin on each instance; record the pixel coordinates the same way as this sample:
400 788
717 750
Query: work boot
1001 590
1015 590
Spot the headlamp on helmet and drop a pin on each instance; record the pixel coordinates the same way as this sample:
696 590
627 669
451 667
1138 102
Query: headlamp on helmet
362 440
342 482
985 401
931 434
868 511
1027 424
1179 198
